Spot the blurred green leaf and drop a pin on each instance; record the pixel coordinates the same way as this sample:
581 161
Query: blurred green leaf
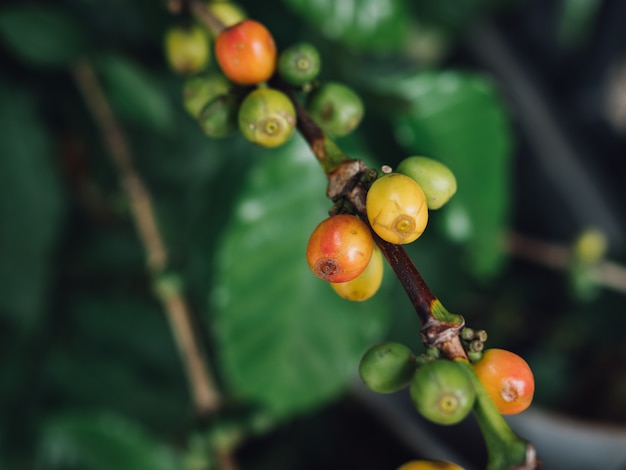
100 441
31 207
134 93
43 36
101 350
459 119
285 339
577 20
368 25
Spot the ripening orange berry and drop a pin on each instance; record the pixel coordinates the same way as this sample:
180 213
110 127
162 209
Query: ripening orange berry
507 378
339 248
246 53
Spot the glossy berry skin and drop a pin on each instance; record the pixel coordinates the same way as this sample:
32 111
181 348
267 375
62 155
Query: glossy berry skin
507 378
246 53
429 465
366 284
336 108
396 208
442 392
387 367
267 117
299 64
435 179
187 49
339 248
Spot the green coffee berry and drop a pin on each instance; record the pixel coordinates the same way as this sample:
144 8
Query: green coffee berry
267 117
218 117
435 179
336 108
387 367
442 392
199 90
187 49
299 64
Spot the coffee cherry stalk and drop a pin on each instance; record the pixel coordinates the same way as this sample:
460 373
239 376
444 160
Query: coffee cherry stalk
273 92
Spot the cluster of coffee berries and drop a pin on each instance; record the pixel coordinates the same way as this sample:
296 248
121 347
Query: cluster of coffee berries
442 390
241 92
341 249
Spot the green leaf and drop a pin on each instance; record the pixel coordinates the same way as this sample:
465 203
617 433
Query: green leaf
285 339
43 36
459 119
99 441
367 25
135 95
576 21
31 207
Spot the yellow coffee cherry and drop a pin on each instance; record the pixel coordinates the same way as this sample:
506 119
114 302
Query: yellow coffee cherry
396 208
228 13
429 465
366 284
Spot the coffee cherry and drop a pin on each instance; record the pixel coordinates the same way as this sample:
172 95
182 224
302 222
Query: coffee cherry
199 90
218 118
246 52
336 108
299 64
228 13
387 367
366 284
187 49
267 117
435 179
396 208
429 465
442 392
507 378
339 248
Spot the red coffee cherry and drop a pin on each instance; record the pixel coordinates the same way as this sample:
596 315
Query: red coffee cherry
339 248
246 53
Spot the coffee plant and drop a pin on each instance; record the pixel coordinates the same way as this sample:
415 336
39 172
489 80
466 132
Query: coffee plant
215 222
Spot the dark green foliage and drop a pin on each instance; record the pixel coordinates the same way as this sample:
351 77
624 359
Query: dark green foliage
90 375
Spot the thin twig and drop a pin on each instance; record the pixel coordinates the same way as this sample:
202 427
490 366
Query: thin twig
559 257
205 395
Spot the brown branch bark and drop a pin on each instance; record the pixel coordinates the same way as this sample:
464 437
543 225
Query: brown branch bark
205 395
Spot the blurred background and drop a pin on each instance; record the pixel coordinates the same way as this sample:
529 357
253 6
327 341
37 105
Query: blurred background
525 100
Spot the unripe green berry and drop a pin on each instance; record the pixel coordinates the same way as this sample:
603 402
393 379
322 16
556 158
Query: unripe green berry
267 117
387 367
299 64
218 118
435 179
442 391
199 90
187 49
336 108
